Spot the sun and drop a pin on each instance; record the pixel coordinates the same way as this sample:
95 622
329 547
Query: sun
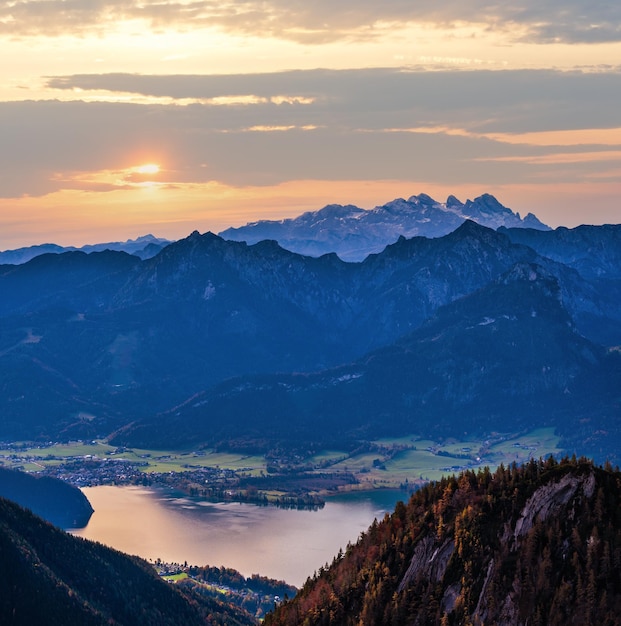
147 168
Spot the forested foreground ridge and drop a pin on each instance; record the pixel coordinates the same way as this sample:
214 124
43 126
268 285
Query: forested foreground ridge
532 544
51 578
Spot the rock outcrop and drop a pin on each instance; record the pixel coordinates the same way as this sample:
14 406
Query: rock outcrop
525 545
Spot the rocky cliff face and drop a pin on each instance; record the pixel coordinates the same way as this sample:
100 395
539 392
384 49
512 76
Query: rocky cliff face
531 545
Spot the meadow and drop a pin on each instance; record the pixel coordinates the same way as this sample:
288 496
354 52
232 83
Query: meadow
385 463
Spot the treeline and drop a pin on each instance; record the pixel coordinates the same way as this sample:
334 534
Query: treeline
256 594
535 544
227 576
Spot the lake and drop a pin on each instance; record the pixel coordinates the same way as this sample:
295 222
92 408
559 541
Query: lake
285 544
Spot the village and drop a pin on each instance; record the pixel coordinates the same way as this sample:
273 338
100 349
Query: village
292 481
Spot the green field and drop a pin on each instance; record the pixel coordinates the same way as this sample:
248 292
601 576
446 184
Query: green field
174 578
385 463
421 460
33 457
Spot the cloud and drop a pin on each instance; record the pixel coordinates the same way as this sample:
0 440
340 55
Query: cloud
488 101
471 126
538 21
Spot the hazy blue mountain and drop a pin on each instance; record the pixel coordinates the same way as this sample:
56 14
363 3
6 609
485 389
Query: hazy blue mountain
89 342
143 247
23 255
507 353
108 335
594 251
354 233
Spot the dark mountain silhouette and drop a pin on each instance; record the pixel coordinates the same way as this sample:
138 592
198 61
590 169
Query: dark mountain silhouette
106 334
594 251
524 545
50 577
50 498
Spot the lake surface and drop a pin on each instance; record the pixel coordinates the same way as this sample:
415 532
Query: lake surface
280 543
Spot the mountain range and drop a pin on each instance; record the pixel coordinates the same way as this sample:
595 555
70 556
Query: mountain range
90 343
506 353
144 247
354 233
351 232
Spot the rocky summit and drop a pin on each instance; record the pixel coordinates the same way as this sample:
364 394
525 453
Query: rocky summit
354 233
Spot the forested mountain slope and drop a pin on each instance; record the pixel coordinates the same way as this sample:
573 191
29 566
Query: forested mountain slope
91 342
54 500
50 577
505 354
538 544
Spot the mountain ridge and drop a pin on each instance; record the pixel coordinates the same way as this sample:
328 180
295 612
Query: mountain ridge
521 545
51 577
508 351
90 342
143 247
354 233
59 503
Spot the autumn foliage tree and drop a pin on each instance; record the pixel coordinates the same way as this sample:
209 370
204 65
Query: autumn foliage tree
532 544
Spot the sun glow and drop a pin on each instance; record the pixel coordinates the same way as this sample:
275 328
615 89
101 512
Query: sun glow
147 168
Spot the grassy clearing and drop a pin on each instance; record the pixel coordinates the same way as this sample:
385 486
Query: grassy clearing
540 442
33 458
326 457
357 463
421 460
174 578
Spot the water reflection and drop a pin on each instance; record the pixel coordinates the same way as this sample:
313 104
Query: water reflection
285 544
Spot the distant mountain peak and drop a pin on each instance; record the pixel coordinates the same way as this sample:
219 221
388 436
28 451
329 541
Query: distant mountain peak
469 226
423 199
453 202
354 233
335 211
144 247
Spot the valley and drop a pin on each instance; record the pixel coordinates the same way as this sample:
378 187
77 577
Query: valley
290 480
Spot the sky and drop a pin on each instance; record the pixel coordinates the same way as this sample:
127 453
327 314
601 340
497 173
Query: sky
120 118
